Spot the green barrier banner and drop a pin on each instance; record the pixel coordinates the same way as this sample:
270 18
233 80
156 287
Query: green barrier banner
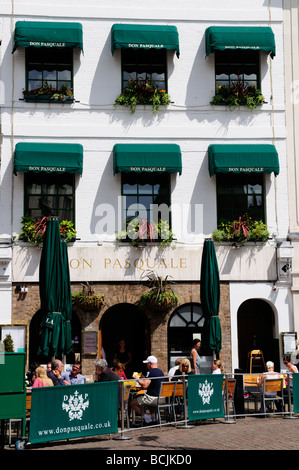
296 392
72 411
205 396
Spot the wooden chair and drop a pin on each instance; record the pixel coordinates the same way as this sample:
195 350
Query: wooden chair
178 399
28 405
127 389
256 359
229 386
165 400
275 387
250 386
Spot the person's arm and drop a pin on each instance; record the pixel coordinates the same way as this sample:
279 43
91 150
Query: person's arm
193 356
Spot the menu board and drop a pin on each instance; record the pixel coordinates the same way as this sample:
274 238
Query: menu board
288 341
90 342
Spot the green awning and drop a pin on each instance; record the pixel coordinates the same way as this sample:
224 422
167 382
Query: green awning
240 37
48 34
147 158
134 36
237 158
50 158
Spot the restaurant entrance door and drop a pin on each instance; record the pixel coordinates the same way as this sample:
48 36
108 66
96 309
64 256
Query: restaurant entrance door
256 324
126 321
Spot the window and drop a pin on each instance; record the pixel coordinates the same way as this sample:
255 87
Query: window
50 69
144 65
146 197
50 195
235 66
185 324
238 194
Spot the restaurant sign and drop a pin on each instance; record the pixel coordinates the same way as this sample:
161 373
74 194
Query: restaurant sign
73 411
205 396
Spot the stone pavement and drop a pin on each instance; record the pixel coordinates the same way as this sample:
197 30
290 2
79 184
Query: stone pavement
250 433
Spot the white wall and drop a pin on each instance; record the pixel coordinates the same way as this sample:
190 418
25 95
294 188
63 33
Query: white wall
190 121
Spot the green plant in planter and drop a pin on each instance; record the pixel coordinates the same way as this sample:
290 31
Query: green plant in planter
140 231
160 296
33 230
64 94
138 92
87 300
238 93
241 231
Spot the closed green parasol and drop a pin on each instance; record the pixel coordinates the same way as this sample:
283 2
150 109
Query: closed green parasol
210 298
67 297
53 273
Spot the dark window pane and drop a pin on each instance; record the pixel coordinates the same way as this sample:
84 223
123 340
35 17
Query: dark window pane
49 194
138 192
238 194
144 65
54 66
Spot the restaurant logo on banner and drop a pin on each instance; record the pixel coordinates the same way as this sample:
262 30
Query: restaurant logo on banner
75 405
205 391
205 399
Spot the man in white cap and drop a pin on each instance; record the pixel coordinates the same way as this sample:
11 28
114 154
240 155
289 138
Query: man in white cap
151 383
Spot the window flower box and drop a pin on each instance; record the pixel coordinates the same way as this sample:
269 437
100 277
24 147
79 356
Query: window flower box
238 94
140 232
138 92
241 231
33 230
48 94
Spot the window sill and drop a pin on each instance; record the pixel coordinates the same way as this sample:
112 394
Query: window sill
46 99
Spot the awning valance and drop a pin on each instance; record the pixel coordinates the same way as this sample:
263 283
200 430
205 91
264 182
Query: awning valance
133 36
147 158
48 34
240 37
238 158
50 158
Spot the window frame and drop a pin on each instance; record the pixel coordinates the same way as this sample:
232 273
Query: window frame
141 178
151 53
238 177
242 54
46 54
56 195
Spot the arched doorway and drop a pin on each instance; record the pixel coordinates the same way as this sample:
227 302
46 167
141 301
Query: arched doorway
256 331
126 321
186 323
34 336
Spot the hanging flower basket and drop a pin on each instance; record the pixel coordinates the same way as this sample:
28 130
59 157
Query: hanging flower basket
159 297
87 300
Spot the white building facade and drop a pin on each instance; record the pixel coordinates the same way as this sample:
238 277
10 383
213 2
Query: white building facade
195 179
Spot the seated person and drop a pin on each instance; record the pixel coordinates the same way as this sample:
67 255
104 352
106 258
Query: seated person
270 374
55 373
152 386
119 369
74 377
184 368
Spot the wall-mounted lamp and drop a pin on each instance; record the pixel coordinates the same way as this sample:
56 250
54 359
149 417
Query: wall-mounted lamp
286 268
22 291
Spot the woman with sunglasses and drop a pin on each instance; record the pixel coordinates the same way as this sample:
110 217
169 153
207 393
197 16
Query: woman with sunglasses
184 368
